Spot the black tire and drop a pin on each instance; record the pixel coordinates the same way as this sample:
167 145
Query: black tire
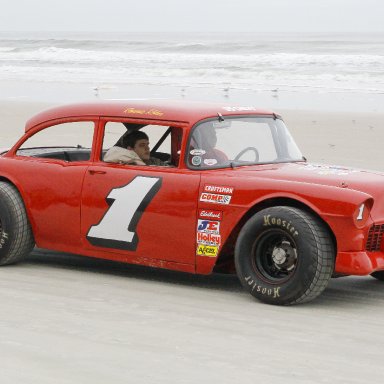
16 238
284 256
379 275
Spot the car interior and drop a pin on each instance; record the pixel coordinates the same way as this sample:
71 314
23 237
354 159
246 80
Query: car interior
165 144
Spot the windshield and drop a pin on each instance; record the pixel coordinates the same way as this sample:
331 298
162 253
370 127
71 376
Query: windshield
241 141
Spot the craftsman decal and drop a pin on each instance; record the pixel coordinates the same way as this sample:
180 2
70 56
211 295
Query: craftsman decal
117 229
218 189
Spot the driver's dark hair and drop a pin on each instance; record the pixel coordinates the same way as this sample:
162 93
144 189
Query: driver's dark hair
134 136
130 139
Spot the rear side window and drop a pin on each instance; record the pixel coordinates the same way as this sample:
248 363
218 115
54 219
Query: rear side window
68 141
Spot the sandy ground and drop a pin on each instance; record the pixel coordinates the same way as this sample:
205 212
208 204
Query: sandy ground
344 138
69 319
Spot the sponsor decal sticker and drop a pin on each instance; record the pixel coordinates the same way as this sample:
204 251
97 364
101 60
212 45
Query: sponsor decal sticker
196 160
208 239
215 198
209 214
150 112
207 250
208 226
321 169
239 109
210 162
197 152
218 189
208 232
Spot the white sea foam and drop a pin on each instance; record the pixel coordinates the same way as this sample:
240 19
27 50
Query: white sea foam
316 63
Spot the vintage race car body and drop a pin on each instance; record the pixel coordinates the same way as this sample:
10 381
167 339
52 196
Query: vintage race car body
186 216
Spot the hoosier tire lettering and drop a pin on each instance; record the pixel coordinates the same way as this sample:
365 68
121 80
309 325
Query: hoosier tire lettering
3 239
263 290
268 221
284 256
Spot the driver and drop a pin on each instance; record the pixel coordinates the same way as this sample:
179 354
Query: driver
207 142
137 151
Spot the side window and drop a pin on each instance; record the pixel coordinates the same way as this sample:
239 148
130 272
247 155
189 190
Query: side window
161 142
67 141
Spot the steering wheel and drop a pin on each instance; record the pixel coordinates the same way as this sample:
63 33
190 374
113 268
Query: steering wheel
248 149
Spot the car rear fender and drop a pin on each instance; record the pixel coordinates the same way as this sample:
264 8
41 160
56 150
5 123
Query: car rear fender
19 189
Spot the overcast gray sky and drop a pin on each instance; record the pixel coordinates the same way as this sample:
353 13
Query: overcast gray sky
193 15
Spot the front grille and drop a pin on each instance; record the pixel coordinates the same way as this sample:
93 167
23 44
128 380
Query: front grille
374 238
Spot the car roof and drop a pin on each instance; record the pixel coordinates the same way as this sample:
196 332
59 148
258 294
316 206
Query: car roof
155 109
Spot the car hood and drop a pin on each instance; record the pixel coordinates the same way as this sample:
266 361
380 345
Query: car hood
370 182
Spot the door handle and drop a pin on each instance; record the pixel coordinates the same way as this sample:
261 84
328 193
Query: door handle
96 172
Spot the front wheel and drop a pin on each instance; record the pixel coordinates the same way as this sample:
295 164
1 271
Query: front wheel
284 256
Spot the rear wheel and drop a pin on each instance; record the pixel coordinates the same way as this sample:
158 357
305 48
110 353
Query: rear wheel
16 238
284 256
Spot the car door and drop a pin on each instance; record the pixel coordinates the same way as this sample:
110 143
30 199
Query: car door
140 212
51 185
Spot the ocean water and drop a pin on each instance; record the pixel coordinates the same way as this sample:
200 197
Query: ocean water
274 64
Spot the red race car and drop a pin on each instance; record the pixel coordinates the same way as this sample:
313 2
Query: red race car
223 189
